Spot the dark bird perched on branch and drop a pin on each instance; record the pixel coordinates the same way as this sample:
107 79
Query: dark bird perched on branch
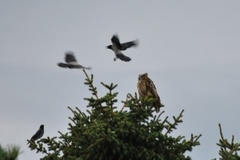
117 47
71 62
146 88
38 134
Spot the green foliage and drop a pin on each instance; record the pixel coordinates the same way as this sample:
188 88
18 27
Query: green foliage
9 153
228 150
105 133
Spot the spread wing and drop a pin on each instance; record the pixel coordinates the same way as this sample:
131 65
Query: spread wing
123 57
127 45
70 58
71 62
116 42
69 65
82 67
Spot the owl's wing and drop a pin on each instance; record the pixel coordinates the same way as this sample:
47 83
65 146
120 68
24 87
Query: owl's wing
152 89
154 94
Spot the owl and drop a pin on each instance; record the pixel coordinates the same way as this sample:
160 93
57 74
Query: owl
146 88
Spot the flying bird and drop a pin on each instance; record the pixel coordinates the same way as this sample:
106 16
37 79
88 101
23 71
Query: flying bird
117 47
71 62
38 134
146 88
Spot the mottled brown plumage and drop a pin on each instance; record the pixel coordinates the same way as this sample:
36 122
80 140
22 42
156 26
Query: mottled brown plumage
146 88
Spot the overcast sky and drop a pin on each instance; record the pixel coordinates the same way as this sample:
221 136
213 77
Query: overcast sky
190 50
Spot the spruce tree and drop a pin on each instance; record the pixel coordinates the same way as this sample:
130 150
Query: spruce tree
228 150
105 131
11 152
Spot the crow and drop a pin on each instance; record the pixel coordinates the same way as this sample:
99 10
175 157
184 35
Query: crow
38 134
71 62
117 47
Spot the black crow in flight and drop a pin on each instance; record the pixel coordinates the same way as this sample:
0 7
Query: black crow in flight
71 62
117 47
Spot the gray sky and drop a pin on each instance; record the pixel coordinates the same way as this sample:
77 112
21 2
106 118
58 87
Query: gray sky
190 50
